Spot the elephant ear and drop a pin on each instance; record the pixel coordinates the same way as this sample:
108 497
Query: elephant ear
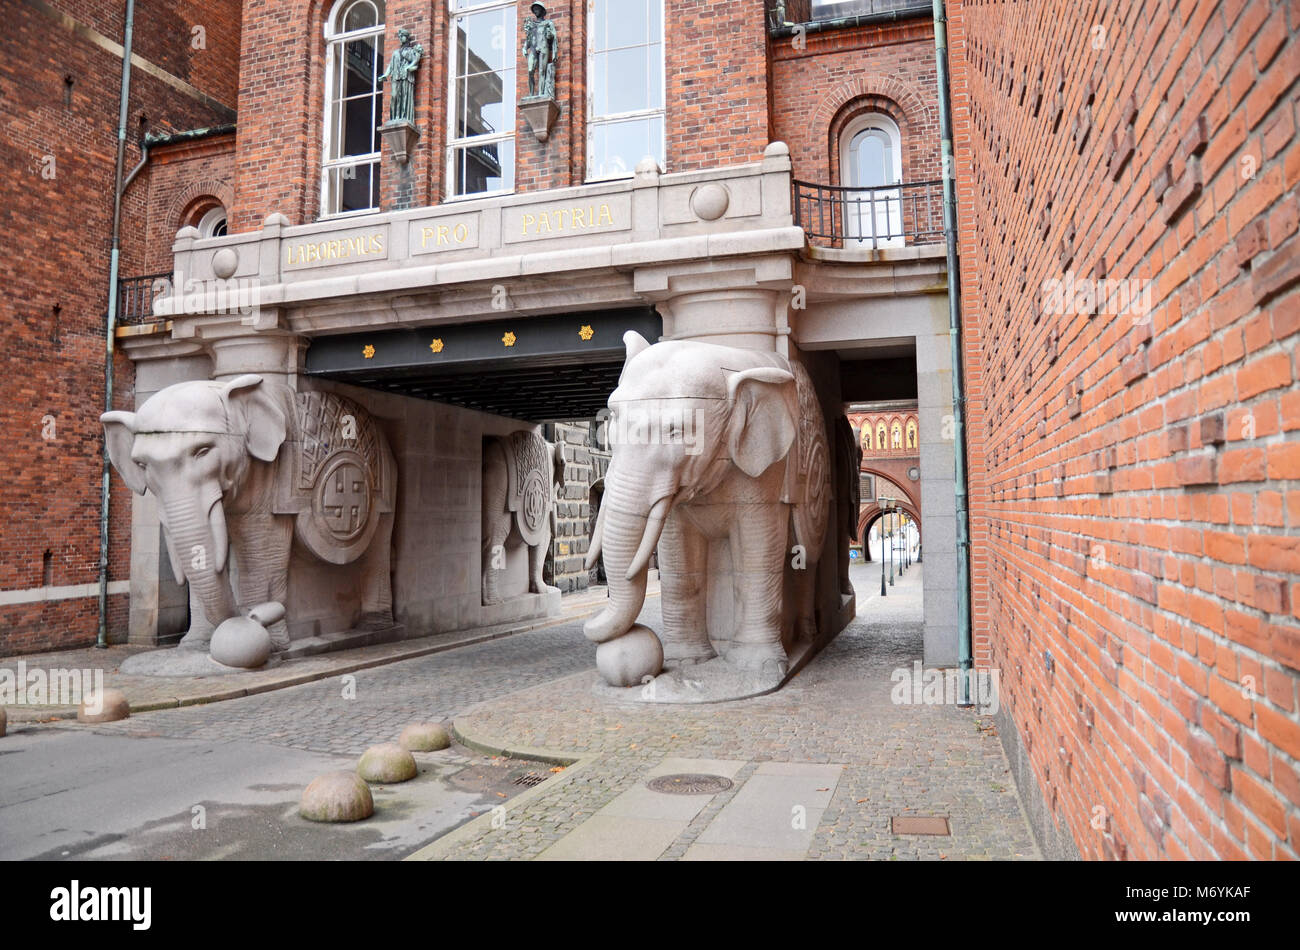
636 344
762 425
265 426
119 437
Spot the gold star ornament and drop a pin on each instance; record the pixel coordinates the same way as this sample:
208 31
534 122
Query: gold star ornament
368 351
509 338
586 332
436 345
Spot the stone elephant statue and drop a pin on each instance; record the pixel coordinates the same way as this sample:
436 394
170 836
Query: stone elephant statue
520 472
243 469
710 444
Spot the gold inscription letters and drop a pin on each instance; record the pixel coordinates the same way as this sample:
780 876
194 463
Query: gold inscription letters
566 219
338 249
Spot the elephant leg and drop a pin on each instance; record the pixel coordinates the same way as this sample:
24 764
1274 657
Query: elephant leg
377 592
536 564
758 552
683 582
496 520
199 634
260 545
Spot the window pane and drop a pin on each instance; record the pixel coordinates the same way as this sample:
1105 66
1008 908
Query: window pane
359 16
480 168
482 41
359 76
487 105
621 81
626 26
617 147
358 125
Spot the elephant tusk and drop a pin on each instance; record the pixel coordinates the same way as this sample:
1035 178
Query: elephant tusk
217 525
596 533
654 527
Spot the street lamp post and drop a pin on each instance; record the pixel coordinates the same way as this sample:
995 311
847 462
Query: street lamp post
880 526
891 547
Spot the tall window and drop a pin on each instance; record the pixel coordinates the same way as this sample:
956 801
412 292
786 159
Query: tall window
871 159
353 107
481 146
625 86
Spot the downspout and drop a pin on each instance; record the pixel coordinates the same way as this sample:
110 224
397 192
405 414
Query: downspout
964 651
124 98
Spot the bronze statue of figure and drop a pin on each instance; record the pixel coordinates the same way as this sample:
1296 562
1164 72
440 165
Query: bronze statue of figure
541 45
401 69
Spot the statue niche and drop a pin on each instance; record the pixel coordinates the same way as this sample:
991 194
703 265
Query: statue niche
520 472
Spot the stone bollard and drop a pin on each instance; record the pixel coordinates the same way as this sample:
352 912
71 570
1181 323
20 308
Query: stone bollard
386 764
337 797
108 706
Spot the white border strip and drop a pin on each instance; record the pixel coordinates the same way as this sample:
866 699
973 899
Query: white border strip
34 595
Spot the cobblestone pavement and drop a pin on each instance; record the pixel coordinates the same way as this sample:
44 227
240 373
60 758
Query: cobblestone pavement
533 691
162 692
898 760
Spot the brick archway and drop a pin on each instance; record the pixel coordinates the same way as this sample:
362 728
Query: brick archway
890 95
186 202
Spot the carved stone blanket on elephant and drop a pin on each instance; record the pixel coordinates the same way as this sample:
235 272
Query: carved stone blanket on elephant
529 484
808 474
338 461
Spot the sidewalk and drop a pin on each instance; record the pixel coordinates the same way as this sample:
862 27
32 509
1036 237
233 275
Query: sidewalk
819 769
146 693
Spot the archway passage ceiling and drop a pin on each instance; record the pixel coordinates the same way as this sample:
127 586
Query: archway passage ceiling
538 369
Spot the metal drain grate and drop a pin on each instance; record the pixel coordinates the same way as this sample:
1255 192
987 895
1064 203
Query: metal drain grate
917 825
689 783
530 779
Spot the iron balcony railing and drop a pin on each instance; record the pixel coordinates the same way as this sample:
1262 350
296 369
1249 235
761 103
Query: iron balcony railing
889 216
135 296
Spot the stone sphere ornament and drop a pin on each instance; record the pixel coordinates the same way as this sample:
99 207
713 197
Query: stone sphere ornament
709 202
627 660
424 737
337 797
110 705
241 642
225 262
386 764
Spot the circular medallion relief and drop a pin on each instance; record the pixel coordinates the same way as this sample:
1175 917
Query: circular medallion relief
342 502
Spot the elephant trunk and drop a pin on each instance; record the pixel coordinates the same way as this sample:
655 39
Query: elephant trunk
628 536
197 536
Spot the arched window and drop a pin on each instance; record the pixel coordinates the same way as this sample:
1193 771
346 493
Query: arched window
880 436
911 433
871 160
353 107
213 223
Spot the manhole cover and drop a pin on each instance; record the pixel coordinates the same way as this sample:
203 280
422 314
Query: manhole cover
689 784
916 825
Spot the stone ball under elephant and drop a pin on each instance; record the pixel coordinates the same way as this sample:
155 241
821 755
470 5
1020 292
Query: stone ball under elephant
337 797
627 660
242 643
424 737
387 764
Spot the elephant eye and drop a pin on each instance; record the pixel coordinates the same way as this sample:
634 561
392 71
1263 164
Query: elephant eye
202 450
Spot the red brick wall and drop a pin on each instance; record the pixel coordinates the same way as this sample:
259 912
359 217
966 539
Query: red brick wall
1132 498
180 183
821 81
56 289
716 103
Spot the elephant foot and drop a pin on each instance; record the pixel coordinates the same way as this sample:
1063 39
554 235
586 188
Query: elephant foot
678 653
196 640
543 589
765 658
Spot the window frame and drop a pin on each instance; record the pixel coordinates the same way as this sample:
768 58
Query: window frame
614 118
334 44
454 144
